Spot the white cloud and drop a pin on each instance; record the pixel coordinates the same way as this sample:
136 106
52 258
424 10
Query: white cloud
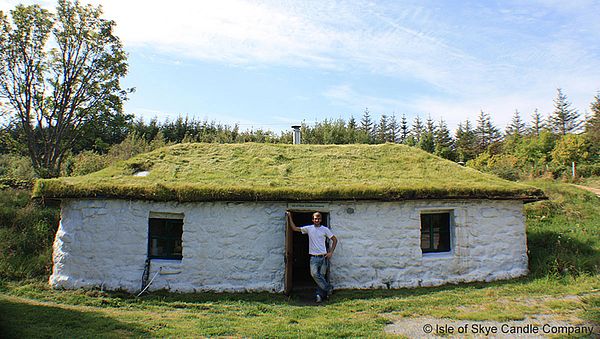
476 55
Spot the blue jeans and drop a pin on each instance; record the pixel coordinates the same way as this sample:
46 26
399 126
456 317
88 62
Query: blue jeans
318 270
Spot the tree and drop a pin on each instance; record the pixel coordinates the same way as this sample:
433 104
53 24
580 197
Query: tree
427 139
417 129
366 126
571 148
466 142
592 125
517 126
392 134
58 73
564 119
444 145
382 130
537 123
404 129
486 133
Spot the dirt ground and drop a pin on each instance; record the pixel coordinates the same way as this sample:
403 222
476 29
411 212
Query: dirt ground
535 326
591 189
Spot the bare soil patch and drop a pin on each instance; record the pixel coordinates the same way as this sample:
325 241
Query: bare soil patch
591 189
533 326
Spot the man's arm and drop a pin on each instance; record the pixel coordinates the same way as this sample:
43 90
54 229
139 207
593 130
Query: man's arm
291 222
332 248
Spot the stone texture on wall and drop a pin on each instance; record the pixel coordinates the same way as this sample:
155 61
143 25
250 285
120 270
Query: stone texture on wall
239 246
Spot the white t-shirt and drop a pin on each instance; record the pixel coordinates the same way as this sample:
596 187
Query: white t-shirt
316 238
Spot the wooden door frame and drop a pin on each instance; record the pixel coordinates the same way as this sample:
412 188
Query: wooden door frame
288 256
288 259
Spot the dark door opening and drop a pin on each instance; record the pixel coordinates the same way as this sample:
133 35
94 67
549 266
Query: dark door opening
298 260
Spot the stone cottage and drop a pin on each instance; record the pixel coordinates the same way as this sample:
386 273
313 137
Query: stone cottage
211 217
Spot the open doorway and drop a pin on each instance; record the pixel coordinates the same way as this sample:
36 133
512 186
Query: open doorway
297 268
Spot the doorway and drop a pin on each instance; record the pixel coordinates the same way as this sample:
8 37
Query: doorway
297 267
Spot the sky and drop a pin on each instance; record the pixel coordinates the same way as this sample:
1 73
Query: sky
273 64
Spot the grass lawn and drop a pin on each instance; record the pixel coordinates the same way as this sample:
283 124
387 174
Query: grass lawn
564 244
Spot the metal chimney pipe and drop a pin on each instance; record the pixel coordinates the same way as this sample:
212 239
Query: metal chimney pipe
297 139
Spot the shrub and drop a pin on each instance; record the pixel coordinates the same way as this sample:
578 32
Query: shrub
26 233
505 166
16 166
563 233
86 162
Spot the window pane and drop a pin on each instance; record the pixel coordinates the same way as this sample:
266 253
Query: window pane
165 238
435 232
157 227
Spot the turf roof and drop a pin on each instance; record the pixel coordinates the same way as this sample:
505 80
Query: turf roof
267 172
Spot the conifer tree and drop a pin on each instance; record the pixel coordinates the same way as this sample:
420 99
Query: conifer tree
366 127
392 129
486 133
382 129
352 123
417 129
564 119
352 130
427 139
592 126
517 126
444 145
466 142
404 129
537 123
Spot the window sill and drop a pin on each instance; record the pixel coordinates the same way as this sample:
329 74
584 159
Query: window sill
449 254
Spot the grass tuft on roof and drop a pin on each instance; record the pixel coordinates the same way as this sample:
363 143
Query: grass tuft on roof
268 172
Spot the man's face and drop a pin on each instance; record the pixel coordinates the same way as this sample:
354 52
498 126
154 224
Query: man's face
317 219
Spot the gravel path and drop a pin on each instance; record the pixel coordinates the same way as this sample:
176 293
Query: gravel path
539 326
591 189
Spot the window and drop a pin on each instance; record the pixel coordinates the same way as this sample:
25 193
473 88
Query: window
164 238
435 232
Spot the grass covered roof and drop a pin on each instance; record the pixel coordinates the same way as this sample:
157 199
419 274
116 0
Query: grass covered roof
251 172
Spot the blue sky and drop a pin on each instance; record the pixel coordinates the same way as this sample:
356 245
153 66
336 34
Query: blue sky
270 64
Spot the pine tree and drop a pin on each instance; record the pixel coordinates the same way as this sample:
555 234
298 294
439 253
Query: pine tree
517 126
392 133
537 123
352 123
466 142
592 126
486 133
382 129
427 140
417 129
404 129
366 127
564 119
352 131
444 145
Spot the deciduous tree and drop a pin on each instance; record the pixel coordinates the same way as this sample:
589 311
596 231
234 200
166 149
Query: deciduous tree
58 73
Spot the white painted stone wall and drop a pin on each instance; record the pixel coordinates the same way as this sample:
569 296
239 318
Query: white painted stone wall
231 246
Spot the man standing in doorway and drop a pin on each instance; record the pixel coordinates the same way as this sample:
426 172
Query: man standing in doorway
319 256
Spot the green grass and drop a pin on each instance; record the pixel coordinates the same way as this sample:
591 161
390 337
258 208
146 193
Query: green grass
564 246
26 235
201 172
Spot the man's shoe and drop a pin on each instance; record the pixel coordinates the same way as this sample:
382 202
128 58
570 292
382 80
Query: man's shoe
318 299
